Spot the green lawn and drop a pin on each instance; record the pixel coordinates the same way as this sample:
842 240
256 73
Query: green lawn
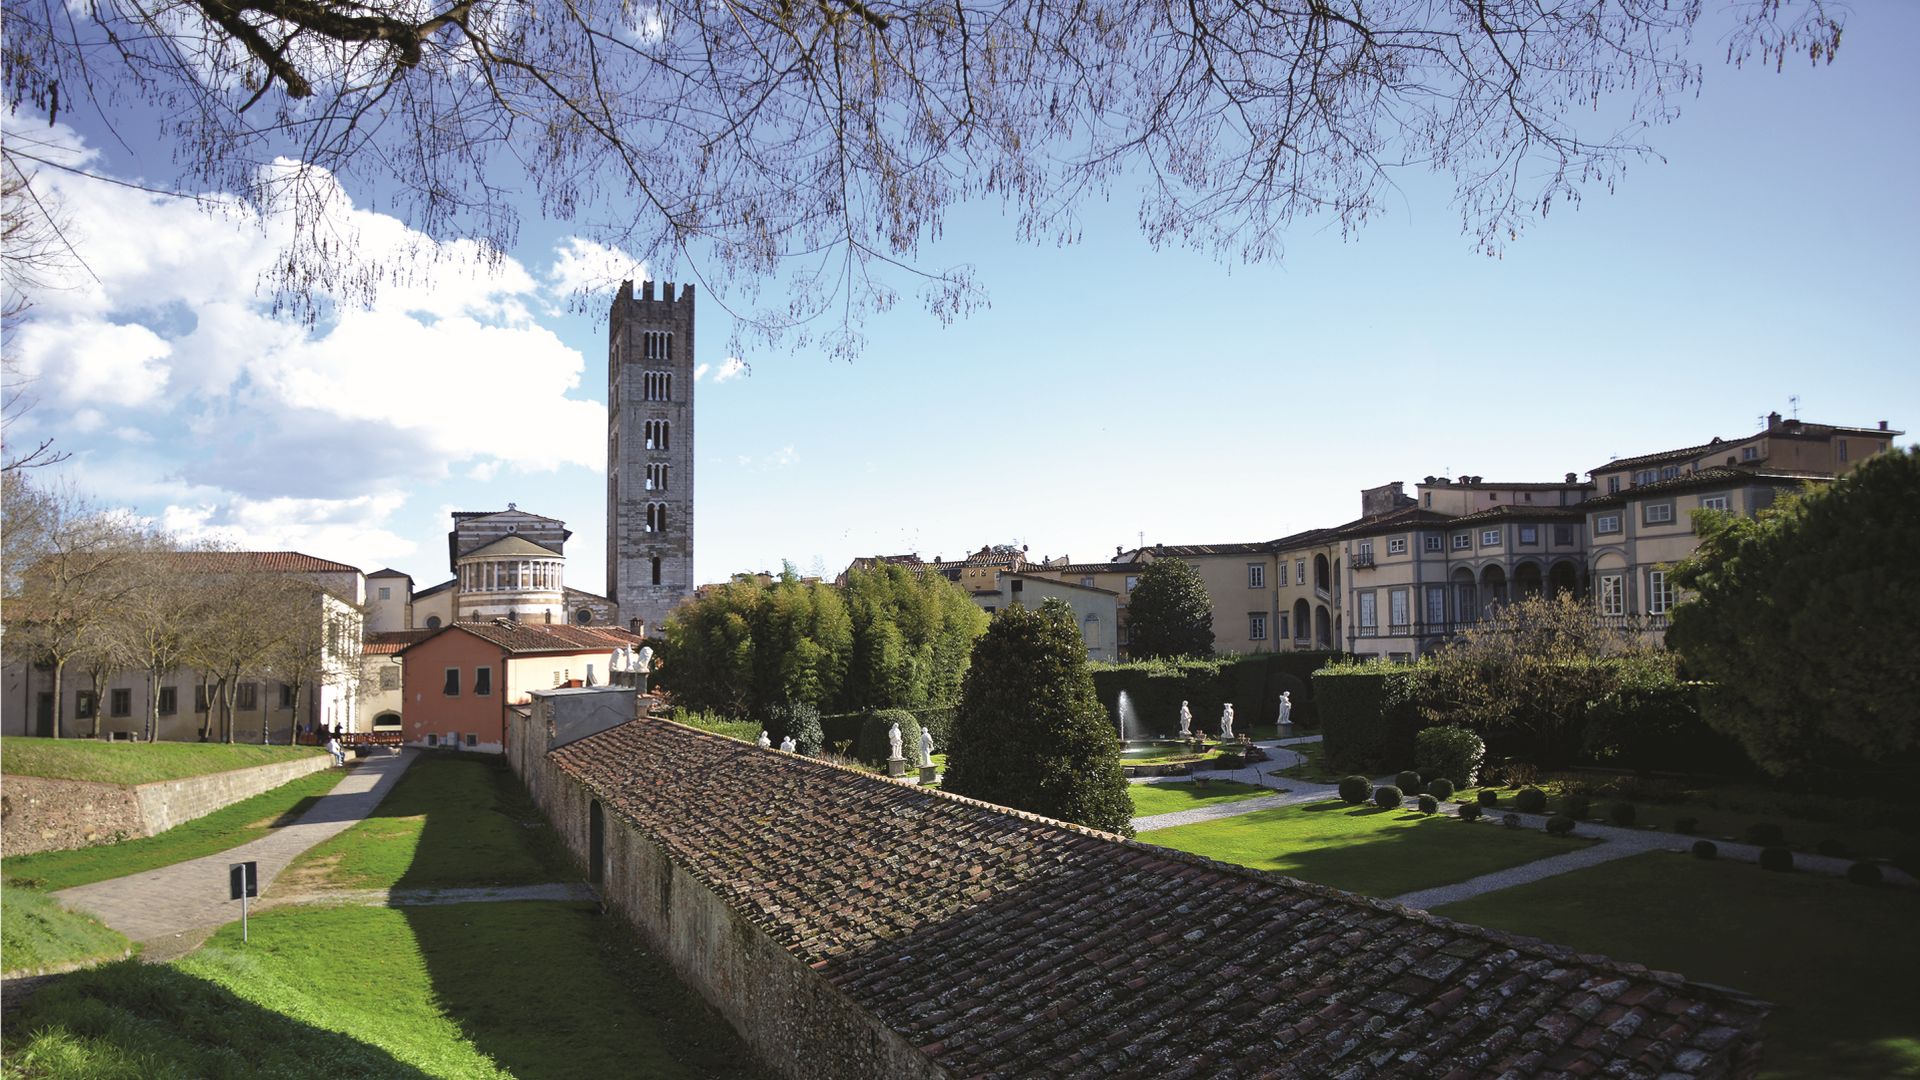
136 762
538 991
1167 798
37 933
227 827
1362 849
1314 768
1836 959
452 821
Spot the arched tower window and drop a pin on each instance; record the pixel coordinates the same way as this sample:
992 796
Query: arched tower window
656 569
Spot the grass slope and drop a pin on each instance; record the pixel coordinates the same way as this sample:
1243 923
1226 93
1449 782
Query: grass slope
133 763
452 821
1150 799
1834 958
1362 849
36 933
230 826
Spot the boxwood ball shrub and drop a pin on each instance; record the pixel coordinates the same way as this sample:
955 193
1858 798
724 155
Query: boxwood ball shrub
1408 782
1766 834
1685 824
1355 789
1440 787
1488 797
1450 751
1621 814
1429 804
1559 824
1388 797
1776 858
1577 806
1530 801
1470 812
1511 821
1705 849
1865 873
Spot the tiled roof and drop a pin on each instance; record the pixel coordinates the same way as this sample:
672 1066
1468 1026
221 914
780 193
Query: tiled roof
1405 517
391 572
1711 477
541 637
422 594
1521 485
468 515
1007 945
1309 538
511 544
1089 568
1523 512
388 642
227 562
1683 454
1190 550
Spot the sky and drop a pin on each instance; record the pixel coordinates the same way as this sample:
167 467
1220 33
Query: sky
1108 395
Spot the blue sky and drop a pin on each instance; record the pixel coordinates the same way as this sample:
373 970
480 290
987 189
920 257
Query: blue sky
1108 394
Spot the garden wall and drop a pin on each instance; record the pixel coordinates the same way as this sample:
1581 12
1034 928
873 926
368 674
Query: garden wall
796 1022
42 814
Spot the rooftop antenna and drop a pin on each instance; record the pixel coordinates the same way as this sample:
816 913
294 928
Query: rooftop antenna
1794 400
1142 534
1761 420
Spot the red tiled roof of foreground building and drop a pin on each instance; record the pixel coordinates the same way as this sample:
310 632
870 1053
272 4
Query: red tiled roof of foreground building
1007 945
228 562
388 642
517 637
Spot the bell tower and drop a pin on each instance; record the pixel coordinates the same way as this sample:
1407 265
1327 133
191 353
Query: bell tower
650 452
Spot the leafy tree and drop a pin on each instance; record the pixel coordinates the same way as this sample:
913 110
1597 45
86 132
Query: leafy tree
913 634
842 132
1169 613
1803 618
1030 734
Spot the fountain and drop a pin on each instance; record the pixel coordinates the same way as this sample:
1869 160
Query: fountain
1154 754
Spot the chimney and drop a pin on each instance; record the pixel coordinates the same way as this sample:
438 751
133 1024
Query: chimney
1570 478
1773 421
549 614
1883 425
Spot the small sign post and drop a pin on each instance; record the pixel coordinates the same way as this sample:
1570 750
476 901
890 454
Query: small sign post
243 880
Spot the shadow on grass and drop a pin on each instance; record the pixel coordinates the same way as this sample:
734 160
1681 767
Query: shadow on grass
154 1021
295 812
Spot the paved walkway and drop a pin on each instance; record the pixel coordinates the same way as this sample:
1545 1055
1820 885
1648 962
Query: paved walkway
177 900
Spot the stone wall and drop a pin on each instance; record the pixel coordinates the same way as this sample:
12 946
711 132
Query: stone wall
795 1020
52 815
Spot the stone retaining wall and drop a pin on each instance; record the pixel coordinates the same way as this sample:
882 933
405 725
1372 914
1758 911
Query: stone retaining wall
41 814
795 1020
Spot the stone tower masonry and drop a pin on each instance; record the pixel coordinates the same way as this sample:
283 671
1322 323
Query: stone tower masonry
650 452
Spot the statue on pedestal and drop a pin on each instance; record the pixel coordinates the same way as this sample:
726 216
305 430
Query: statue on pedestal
1286 707
763 740
1226 723
789 745
926 749
1186 720
643 665
893 741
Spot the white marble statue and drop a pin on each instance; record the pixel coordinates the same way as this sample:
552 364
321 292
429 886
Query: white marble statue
619 663
893 740
926 749
1226 722
763 740
1186 720
789 745
644 665
1286 706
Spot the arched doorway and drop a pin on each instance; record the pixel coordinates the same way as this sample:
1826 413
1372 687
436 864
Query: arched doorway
1527 580
1322 574
1322 628
1466 604
1563 578
596 842
1302 621
1493 587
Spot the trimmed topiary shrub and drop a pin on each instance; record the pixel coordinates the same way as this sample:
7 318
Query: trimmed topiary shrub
1409 782
1429 804
1865 873
1488 798
1530 801
1511 821
872 747
1766 834
1685 824
1355 789
1621 814
1576 806
1705 849
1470 812
1778 859
1560 825
1388 797
803 723
1449 751
1368 713
1440 787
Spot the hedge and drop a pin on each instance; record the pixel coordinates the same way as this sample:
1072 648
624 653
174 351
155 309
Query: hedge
1253 683
1368 714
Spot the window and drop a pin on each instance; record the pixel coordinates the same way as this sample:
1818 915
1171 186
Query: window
1670 472
452 688
389 678
1283 626
1256 575
84 704
1748 453
1714 502
1840 448
583 617
1256 626
1435 542
656 569
1397 610
1659 513
433 622
1087 581
1563 535
656 477
1299 571
1607 523
386 593
1397 546
249 697
1659 593
1645 476
472 739
1436 605
286 696
483 681
1369 613
1490 538
1365 549
120 703
200 699
433 739
1529 534
1613 594
169 701
1613 485
1132 580
1462 541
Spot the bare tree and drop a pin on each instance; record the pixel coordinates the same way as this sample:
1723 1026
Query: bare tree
244 627
822 143
155 623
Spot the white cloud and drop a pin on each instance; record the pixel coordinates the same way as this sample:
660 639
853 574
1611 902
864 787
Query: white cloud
348 530
733 367
582 266
700 371
87 420
93 363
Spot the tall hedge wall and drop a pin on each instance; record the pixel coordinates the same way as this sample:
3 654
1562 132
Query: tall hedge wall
1253 683
1369 714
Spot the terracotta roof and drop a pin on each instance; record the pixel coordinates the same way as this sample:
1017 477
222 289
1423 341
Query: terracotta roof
1088 568
540 637
1191 550
388 642
1711 477
223 562
1682 454
1405 517
468 515
422 594
511 544
1523 512
1309 538
391 572
1004 944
